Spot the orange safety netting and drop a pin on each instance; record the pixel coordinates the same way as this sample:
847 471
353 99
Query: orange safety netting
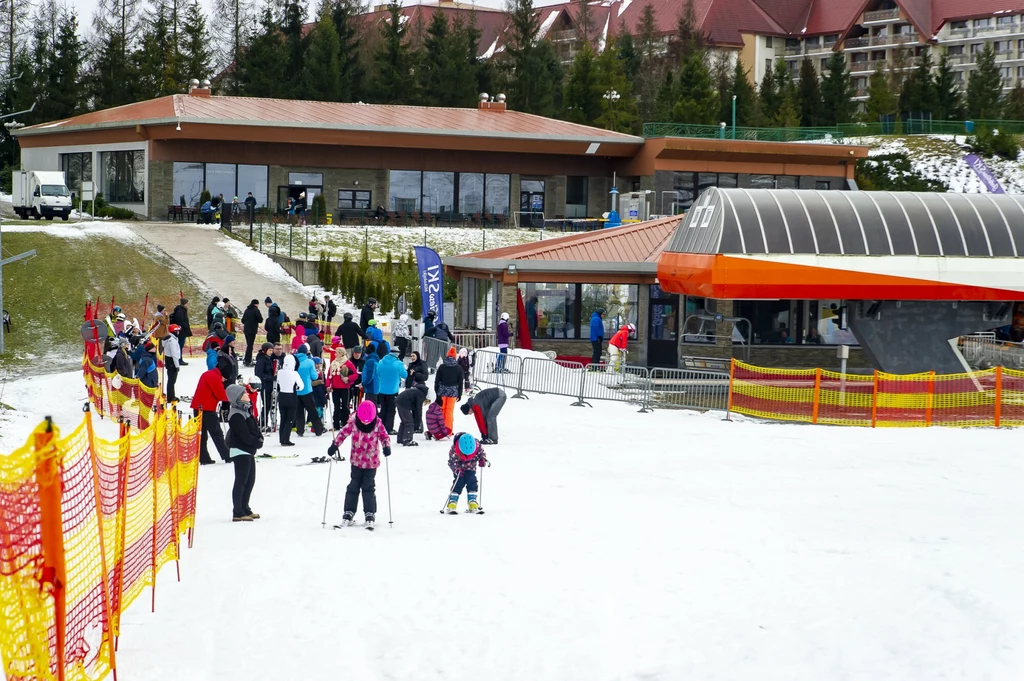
85 524
122 399
992 397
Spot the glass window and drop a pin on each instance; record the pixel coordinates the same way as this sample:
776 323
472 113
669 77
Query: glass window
1004 21
956 50
54 190
496 195
981 23
471 193
306 179
830 40
576 196
786 182
405 190
958 25
768 41
550 310
220 179
697 330
531 186
706 181
77 169
188 183
354 199
438 192
822 184
619 302
685 188
813 42
794 322
253 179
728 180
124 176
976 48
762 181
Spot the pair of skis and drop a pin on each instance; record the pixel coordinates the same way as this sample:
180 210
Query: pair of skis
479 511
342 526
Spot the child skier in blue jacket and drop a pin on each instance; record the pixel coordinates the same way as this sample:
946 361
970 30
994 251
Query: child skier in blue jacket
463 458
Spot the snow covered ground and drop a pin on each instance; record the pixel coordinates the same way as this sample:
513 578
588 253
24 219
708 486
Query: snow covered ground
941 157
616 546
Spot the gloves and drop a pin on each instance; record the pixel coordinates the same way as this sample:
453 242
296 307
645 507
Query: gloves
332 450
387 450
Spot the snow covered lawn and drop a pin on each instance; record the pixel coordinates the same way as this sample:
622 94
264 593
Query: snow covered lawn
616 546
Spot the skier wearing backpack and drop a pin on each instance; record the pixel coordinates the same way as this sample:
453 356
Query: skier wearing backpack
463 458
367 432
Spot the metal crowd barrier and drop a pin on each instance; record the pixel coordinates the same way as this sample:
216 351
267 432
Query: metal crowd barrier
675 388
476 339
984 351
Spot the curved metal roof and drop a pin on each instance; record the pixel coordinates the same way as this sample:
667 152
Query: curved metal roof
785 221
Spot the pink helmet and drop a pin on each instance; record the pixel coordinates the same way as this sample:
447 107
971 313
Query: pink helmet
366 411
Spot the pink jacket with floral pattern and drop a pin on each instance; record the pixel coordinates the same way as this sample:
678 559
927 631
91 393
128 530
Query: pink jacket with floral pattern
365 449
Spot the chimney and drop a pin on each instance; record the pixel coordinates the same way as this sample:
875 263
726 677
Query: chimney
197 89
488 103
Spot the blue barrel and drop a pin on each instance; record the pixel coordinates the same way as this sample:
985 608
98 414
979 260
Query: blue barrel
969 126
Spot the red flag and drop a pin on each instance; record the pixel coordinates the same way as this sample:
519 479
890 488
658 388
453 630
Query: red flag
525 342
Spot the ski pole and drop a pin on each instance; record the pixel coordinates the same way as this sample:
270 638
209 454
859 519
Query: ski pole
387 473
480 496
323 523
454 483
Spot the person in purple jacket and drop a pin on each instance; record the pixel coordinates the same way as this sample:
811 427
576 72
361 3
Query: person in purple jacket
367 433
503 339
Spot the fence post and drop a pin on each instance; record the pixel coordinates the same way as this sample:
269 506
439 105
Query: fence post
999 396
647 392
108 609
155 417
817 395
54 568
929 399
583 382
874 399
291 231
520 395
728 406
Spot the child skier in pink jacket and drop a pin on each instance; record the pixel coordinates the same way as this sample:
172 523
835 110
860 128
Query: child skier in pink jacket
366 431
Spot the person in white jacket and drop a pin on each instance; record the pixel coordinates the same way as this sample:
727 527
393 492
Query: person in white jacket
288 381
172 360
403 336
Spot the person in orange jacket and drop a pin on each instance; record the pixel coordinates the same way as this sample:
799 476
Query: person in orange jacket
617 345
206 400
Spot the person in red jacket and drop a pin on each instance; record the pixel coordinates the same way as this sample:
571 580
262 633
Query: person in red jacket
206 400
617 346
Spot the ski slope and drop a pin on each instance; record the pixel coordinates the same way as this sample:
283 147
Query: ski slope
616 546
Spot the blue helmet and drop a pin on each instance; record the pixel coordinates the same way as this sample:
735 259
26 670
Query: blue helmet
467 445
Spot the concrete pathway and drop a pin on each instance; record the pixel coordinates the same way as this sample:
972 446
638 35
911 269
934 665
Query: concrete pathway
198 250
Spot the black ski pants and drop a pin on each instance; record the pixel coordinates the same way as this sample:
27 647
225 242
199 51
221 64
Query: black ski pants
250 340
403 346
267 392
595 356
307 412
406 425
467 480
386 404
362 481
245 479
212 429
288 404
171 371
341 407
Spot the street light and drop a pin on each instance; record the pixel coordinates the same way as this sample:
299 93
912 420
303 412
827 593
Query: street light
612 96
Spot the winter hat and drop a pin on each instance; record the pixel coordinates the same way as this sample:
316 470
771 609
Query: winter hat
254 302
452 352
184 301
267 346
159 308
220 305
357 350
465 408
304 349
317 360
372 322
336 340
267 300
467 445
382 350
235 394
228 338
404 317
366 411
371 349
174 328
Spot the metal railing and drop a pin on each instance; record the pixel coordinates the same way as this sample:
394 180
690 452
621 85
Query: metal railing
742 133
475 339
881 15
648 388
985 351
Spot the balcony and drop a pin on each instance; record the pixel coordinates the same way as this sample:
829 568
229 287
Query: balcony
860 92
897 39
863 66
957 34
880 16
857 42
793 49
957 59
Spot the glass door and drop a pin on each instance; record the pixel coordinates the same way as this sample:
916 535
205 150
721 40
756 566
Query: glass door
663 331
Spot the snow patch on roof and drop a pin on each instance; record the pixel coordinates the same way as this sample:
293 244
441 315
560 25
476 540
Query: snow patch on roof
547 23
490 50
604 34
622 7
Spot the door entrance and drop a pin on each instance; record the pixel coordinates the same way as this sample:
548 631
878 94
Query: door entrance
663 331
292 191
531 203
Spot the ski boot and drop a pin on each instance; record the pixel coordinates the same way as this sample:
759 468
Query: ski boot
347 519
474 507
369 521
453 504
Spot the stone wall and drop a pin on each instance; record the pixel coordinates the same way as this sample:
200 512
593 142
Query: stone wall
161 189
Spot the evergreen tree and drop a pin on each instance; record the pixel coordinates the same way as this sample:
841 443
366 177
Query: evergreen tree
882 101
632 60
985 86
261 70
321 79
156 62
583 93
469 81
696 101
112 75
448 65
722 74
837 91
1013 104
387 285
948 98
584 22
65 94
811 104
788 113
344 14
295 46
665 98
746 98
530 69
194 45
920 90
393 80
621 115
651 72
768 96
689 37
229 33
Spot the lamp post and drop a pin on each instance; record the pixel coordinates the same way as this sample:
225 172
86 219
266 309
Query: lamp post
734 117
611 96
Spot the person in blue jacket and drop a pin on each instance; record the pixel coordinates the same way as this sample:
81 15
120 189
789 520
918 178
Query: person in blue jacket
145 366
368 374
596 334
373 332
388 375
307 372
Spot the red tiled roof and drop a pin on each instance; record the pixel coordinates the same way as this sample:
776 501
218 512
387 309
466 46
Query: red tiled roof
948 10
832 16
641 242
334 115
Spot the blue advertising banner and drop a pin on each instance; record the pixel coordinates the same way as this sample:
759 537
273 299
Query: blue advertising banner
431 280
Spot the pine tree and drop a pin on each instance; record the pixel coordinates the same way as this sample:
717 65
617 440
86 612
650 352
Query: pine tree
837 91
722 74
768 96
112 74
295 45
387 285
810 95
344 14
448 64
920 88
194 45
882 101
621 115
696 102
985 87
463 49
530 69
689 37
583 91
261 71
1013 104
665 98
788 113
746 98
156 62
631 58
393 80
898 66
651 72
948 98
65 94
584 22
321 79
229 33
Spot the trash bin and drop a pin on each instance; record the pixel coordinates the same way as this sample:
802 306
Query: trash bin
329 216
969 127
